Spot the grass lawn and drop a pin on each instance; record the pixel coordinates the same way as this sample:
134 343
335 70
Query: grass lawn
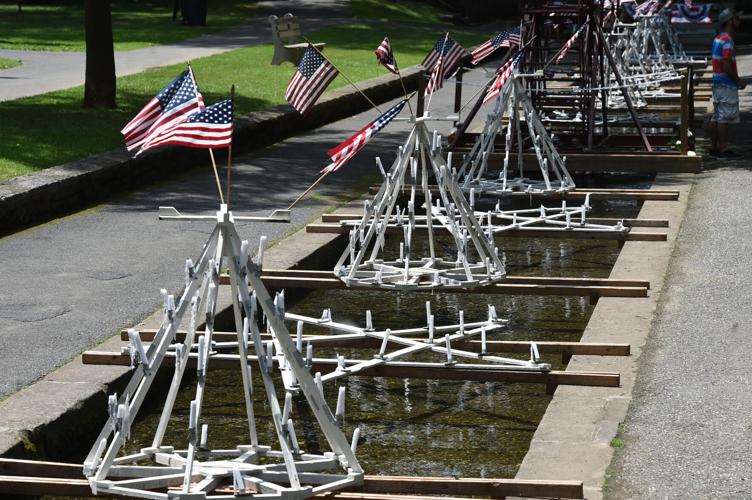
393 11
9 63
60 26
51 129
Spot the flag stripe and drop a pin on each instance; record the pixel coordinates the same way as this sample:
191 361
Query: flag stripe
312 77
347 149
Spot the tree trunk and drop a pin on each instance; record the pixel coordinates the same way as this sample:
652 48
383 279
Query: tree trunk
100 56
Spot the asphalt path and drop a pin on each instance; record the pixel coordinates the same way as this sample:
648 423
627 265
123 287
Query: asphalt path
688 433
74 282
43 71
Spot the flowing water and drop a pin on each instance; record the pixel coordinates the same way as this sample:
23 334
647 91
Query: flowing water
416 426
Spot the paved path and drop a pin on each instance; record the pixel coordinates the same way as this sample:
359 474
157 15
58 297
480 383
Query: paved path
688 433
73 282
49 71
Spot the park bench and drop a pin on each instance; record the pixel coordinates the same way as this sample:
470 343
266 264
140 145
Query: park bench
287 27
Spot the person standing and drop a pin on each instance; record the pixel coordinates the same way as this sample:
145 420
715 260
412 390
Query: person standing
726 85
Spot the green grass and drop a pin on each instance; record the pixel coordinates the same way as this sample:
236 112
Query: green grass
390 10
617 443
51 129
9 63
60 26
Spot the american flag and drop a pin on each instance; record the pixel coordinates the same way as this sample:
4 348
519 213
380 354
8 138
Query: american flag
386 57
444 56
568 45
208 128
314 74
500 39
514 37
502 76
171 104
342 153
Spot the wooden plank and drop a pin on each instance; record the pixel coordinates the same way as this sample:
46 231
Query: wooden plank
488 373
280 282
496 288
492 346
42 486
538 280
472 486
580 194
614 162
373 487
15 467
339 217
528 232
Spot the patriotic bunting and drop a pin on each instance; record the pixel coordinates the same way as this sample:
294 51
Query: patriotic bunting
313 75
177 100
385 56
342 153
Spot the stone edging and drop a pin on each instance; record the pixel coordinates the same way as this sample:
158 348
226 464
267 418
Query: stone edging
49 193
573 440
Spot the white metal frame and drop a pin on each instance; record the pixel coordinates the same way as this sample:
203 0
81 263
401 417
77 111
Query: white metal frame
363 262
514 103
195 471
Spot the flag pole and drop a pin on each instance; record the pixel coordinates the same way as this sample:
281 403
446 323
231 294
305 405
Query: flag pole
211 151
402 82
229 154
321 178
441 72
343 75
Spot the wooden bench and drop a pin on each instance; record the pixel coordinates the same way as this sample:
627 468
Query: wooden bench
287 27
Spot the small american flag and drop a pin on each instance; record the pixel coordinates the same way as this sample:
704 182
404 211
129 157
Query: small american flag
502 76
342 153
489 47
171 104
514 37
209 128
313 76
443 57
386 57
570 43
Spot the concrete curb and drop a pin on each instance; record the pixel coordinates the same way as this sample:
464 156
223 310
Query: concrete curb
573 440
60 190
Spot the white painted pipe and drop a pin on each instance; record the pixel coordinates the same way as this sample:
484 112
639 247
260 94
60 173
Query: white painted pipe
340 412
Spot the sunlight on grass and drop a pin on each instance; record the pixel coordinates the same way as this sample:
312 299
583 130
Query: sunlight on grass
51 129
9 63
134 24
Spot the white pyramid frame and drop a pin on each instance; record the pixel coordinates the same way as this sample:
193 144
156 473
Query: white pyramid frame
195 471
514 102
360 263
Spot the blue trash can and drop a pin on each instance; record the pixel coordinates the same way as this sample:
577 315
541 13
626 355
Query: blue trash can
193 12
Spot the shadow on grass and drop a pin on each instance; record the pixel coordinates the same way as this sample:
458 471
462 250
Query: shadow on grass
59 25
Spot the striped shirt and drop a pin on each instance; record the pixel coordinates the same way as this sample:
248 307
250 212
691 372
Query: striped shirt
723 49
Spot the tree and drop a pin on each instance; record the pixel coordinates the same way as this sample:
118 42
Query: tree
99 90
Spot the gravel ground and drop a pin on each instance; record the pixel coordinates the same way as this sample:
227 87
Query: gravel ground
688 433
72 283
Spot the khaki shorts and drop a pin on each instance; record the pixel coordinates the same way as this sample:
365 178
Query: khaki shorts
725 104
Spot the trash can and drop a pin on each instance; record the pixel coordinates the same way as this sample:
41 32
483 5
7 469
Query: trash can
193 12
